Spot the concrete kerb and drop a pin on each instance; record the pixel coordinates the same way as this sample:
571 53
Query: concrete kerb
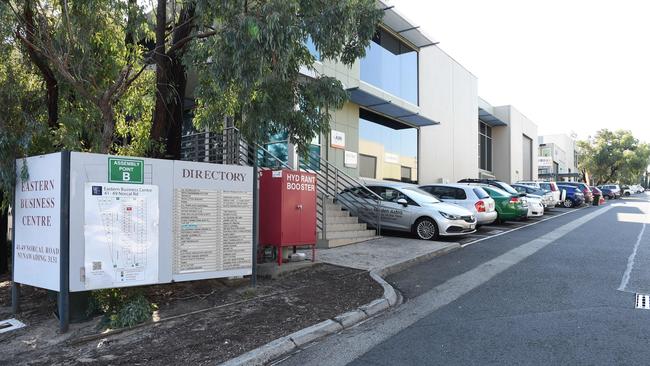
282 346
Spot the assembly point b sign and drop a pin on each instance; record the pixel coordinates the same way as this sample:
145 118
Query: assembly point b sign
122 170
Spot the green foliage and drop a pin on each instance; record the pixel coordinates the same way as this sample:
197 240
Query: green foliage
613 156
121 307
255 56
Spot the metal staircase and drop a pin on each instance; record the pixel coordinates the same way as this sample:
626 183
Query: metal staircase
335 224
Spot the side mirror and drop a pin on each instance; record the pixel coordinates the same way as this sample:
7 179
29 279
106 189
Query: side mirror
403 202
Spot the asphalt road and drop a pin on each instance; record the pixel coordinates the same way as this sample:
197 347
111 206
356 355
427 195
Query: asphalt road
560 292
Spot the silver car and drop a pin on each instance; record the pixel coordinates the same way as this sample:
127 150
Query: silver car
471 197
405 207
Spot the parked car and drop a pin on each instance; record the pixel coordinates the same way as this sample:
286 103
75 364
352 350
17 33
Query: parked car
599 199
473 198
492 182
611 191
549 186
626 191
405 207
545 196
584 188
535 206
637 188
574 196
509 206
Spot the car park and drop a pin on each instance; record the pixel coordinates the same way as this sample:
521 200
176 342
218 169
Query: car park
508 206
611 191
584 188
405 207
574 196
549 186
493 182
546 197
473 198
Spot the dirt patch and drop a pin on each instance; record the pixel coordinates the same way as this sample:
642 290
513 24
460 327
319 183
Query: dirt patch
228 318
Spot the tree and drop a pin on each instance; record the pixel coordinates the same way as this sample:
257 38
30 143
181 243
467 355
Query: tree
613 156
247 55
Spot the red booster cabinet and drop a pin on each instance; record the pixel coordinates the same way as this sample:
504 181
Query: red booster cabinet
287 210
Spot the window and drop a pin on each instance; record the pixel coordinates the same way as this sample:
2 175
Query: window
390 194
481 193
367 166
393 144
485 146
277 145
406 174
447 193
391 65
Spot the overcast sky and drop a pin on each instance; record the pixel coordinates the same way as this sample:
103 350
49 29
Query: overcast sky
572 65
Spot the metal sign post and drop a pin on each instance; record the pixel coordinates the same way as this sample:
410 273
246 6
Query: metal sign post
256 219
64 291
15 287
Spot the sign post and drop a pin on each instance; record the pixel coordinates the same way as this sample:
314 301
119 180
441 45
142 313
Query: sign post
64 258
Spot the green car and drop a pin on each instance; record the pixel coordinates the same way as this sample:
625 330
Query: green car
508 206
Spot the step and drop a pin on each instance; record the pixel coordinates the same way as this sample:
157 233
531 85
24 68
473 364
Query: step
351 234
333 243
342 220
331 227
337 213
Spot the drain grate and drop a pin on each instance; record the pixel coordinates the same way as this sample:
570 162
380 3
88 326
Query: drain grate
9 325
642 301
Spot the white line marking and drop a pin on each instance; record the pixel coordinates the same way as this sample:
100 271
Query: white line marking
521 227
351 344
630 261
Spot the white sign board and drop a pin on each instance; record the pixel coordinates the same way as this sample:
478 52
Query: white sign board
350 160
38 222
337 139
121 235
212 220
391 158
544 161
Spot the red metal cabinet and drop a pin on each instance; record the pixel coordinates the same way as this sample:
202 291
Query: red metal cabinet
287 209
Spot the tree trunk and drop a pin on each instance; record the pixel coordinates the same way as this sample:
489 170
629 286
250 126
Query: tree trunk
108 125
51 84
4 244
171 81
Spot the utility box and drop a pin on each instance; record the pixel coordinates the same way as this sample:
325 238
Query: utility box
287 210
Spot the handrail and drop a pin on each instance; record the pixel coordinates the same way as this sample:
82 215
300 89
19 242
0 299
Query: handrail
229 147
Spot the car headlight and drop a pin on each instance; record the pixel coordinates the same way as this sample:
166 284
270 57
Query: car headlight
449 216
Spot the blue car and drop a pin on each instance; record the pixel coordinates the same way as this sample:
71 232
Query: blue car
574 197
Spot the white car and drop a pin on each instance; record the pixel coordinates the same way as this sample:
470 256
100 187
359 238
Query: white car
535 205
405 207
558 194
473 198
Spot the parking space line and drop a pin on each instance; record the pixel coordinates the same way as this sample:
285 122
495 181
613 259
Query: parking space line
521 227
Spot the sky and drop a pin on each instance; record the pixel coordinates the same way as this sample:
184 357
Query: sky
570 66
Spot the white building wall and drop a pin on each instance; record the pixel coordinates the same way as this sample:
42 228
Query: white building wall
508 140
449 95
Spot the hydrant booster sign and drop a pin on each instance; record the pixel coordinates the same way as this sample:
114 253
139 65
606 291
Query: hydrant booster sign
299 182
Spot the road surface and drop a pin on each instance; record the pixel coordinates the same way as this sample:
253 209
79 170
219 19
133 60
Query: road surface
559 292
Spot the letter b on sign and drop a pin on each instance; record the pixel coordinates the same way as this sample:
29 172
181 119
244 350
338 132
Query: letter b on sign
125 170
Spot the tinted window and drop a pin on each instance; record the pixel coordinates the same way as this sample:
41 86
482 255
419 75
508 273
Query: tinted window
546 186
420 195
481 193
496 192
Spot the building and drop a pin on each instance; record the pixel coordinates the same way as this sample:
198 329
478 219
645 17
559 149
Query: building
558 157
507 142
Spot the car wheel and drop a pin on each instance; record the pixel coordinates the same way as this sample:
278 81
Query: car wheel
426 229
627 194
567 203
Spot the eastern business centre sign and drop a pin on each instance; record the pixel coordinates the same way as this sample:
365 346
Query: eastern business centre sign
131 221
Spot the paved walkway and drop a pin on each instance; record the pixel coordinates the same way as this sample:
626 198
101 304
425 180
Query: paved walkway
382 253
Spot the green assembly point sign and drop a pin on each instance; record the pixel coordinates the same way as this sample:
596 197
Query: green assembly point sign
125 170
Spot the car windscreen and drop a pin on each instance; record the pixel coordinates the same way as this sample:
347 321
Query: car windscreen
420 196
494 191
506 187
481 193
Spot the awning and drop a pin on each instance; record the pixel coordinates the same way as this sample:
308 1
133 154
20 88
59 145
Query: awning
489 118
400 25
389 109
